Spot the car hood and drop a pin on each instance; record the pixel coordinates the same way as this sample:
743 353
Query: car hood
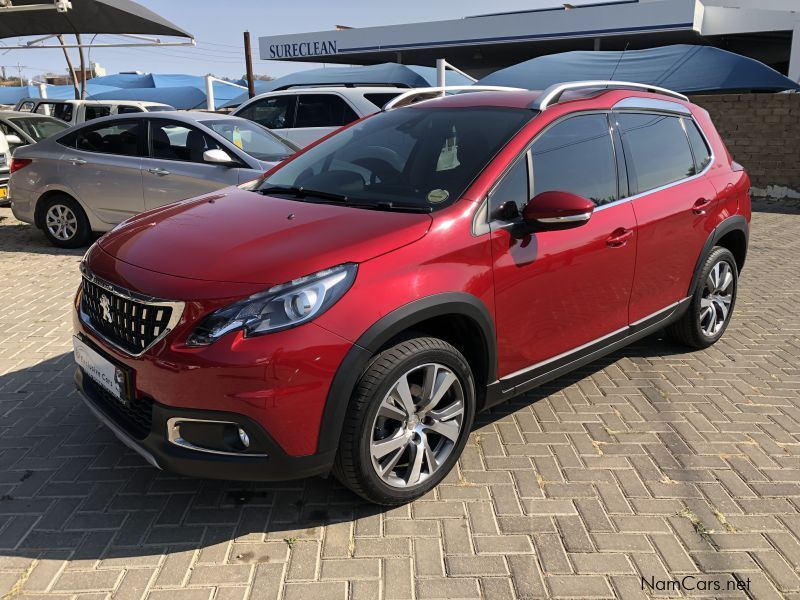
241 236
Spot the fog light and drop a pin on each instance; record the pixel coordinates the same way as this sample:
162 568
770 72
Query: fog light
244 438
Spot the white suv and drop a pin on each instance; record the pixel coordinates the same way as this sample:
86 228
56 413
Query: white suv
302 115
78 111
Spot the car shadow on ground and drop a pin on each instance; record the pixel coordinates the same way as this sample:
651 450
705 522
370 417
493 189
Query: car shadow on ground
25 238
69 488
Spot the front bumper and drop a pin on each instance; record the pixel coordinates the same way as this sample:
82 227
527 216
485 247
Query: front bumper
270 464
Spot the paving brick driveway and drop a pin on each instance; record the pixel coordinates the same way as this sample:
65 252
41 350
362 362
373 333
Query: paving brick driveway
653 462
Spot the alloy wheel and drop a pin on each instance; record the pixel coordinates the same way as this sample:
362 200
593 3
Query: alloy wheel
715 305
61 222
417 425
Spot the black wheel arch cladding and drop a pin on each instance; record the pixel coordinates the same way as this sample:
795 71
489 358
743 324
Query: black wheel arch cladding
388 327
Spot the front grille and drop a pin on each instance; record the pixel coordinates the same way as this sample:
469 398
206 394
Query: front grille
129 324
135 417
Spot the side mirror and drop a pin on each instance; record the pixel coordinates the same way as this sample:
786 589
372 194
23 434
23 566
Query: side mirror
217 157
554 210
14 140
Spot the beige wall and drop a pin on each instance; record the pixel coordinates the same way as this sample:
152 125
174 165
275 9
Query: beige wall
762 132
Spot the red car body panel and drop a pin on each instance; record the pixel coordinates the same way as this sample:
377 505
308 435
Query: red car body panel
265 241
547 293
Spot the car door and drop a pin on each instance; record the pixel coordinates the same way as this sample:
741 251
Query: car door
174 169
318 115
273 112
556 291
102 167
674 208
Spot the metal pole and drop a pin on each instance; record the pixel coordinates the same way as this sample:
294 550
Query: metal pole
248 62
441 65
71 68
210 93
42 90
83 65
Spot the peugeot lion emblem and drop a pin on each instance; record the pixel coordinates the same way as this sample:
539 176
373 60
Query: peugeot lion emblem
105 304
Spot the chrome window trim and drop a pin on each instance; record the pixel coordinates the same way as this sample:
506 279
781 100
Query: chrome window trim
177 310
173 437
566 219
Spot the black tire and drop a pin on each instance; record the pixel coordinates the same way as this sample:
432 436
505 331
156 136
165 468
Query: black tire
688 329
353 465
82 230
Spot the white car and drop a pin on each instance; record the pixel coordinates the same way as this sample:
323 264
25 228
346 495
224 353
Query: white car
302 115
78 111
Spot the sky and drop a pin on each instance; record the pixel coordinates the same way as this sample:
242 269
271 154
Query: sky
218 26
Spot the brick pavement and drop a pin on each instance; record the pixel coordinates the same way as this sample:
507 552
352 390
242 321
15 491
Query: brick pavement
653 462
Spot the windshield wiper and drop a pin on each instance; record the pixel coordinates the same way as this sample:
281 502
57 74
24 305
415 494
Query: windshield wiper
393 206
301 192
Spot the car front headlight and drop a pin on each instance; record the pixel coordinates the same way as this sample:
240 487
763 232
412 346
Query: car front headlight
278 308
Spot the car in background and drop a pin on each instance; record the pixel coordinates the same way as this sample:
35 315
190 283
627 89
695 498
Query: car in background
302 115
22 128
79 111
91 178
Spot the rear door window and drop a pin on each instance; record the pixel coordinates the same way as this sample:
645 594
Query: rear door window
124 109
120 138
577 156
656 150
323 110
95 112
59 110
276 112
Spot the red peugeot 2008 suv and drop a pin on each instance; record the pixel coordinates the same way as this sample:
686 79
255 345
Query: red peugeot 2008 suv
351 311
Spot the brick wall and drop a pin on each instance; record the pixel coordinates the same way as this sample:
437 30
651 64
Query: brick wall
762 132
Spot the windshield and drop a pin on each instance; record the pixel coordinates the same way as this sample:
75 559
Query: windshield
424 157
252 138
39 128
160 108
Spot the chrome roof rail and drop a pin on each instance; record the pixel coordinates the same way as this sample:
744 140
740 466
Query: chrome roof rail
553 93
408 97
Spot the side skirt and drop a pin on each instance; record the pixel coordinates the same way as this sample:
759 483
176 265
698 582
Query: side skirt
517 383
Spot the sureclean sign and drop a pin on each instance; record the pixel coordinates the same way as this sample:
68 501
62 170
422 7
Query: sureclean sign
315 48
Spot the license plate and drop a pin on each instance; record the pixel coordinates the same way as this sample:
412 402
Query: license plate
102 371
3 192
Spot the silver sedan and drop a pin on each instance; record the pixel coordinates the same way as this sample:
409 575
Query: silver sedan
95 176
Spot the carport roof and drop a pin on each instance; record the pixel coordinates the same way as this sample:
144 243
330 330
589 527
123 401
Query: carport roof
85 16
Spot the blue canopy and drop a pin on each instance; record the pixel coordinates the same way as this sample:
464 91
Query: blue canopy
681 67
181 91
410 76
10 95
